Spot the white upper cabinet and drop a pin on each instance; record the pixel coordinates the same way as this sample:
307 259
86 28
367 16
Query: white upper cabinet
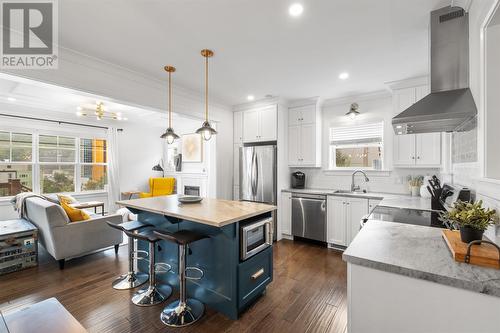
415 150
251 125
428 149
268 119
404 149
304 136
238 127
260 124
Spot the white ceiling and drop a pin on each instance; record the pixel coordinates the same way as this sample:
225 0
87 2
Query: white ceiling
259 48
44 99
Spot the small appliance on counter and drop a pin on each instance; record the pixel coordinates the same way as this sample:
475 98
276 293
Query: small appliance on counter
298 179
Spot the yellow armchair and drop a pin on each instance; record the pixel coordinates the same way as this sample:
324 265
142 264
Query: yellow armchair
158 187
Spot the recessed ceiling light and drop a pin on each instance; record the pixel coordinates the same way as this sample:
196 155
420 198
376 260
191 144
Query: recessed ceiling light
344 76
79 113
11 99
399 126
295 10
79 108
250 97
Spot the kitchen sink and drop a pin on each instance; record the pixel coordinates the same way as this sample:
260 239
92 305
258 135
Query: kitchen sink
349 192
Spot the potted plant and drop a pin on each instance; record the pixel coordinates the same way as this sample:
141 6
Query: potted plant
471 218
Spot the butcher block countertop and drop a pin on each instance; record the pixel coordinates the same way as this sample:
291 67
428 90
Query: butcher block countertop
214 212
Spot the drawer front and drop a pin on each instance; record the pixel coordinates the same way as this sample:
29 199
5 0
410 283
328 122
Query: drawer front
254 275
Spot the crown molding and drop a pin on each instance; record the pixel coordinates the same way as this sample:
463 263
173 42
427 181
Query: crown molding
304 101
408 83
380 94
258 104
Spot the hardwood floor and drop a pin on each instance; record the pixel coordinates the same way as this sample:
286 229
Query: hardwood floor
308 294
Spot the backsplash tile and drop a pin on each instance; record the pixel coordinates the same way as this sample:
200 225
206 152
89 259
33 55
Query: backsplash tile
464 144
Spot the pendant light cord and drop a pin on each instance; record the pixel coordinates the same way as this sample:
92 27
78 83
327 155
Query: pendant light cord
206 88
170 99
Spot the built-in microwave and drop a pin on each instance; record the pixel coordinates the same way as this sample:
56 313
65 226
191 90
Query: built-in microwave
255 236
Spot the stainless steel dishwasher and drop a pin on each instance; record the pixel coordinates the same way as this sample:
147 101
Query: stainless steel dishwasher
309 216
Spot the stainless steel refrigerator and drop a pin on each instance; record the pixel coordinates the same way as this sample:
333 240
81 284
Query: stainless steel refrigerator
258 175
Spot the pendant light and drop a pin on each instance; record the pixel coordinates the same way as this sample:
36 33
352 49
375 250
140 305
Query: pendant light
353 112
169 133
206 130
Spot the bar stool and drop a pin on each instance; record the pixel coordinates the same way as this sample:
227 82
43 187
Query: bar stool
184 311
154 293
132 279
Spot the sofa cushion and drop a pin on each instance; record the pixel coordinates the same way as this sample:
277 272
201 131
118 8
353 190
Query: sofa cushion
74 214
66 198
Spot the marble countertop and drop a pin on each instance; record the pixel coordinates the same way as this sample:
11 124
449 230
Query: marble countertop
388 199
214 212
418 252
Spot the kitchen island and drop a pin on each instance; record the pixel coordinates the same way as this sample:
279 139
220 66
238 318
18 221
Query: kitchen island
229 283
403 278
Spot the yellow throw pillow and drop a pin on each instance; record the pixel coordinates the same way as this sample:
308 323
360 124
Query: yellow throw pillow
74 214
66 198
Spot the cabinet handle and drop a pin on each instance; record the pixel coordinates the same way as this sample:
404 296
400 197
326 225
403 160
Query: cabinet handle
418 157
257 274
413 157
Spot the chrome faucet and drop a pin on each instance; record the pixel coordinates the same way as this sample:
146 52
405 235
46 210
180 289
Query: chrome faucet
355 188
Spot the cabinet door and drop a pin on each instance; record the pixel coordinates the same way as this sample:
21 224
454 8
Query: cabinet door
336 221
428 149
251 126
294 145
355 210
309 114
236 164
372 203
308 144
294 116
286 213
268 121
238 127
404 150
403 99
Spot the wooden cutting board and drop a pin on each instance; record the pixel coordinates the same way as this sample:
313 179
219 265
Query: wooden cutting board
485 255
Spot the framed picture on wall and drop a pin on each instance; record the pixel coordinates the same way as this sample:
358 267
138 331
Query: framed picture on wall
192 148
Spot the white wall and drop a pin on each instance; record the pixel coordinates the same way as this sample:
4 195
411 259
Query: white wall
374 108
94 76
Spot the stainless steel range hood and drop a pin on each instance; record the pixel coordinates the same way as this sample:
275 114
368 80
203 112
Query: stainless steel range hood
450 104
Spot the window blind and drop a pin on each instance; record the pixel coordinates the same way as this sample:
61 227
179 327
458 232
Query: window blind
365 133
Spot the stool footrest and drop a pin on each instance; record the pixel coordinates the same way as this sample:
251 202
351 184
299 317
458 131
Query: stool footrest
192 268
140 255
162 267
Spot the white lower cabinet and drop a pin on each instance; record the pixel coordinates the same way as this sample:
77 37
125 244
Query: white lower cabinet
372 203
336 227
286 213
344 215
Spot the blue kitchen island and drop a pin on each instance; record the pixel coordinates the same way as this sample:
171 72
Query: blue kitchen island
236 258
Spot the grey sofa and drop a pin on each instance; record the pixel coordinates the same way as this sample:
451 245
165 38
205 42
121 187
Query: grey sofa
64 239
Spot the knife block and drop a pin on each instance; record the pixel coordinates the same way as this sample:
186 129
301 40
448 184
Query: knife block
435 203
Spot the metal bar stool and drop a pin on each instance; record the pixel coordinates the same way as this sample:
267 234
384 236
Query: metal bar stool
184 311
154 293
132 279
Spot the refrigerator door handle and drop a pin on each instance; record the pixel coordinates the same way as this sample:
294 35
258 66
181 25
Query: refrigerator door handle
253 174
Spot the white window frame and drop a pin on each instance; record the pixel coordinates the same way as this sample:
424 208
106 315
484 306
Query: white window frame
35 163
375 141
32 163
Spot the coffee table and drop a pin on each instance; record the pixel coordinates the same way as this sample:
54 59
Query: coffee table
48 316
90 204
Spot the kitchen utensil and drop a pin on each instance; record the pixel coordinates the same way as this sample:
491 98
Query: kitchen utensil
436 180
430 191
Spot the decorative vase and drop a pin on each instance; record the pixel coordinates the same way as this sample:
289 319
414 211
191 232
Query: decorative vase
469 234
415 191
